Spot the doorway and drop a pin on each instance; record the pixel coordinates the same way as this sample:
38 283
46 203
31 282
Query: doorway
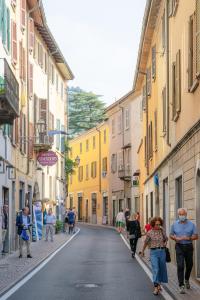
6 229
21 195
94 208
86 211
80 208
105 210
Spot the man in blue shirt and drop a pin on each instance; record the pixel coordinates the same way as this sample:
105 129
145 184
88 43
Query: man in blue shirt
23 223
183 232
71 220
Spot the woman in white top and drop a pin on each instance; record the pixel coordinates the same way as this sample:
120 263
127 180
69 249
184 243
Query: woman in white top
120 221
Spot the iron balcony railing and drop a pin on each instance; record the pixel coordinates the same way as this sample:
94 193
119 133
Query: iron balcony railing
124 173
9 92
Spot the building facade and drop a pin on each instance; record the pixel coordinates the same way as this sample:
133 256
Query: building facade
88 186
125 130
168 74
33 77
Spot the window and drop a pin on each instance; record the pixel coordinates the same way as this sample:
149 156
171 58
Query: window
163 31
114 163
80 173
87 145
81 148
104 136
119 123
156 129
93 169
179 192
154 62
87 172
176 87
149 81
126 118
113 127
94 142
144 98
164 102
192 53
31 34
14 42
104 164
22 62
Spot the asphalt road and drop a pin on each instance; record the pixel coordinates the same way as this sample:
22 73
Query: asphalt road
95 265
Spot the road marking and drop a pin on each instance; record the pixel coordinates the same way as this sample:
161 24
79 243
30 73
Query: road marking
36 270
164 293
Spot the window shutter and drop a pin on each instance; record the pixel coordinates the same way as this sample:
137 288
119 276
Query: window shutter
14 42
31 134
145 150
35 113
173 90
24 133
190 53
144 98
8 30
23 14
20 60
95 169
31 34
198 37
149 81
178 81
154 62
30 80
164 110
43 110
4 22
155 129
105 164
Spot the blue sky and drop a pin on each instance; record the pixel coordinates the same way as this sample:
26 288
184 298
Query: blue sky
99 39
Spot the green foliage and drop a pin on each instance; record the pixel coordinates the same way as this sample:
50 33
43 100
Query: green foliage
58 226
85 111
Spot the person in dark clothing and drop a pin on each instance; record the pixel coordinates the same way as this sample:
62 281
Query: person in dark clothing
4 226
71 220
134 230
127 216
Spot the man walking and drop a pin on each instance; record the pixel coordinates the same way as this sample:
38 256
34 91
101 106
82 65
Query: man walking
71 220
183 232
50 221
23 222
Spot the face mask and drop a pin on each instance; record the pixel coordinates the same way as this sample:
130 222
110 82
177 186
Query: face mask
182 218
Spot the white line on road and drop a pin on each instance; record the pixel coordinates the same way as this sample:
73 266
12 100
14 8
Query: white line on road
164 293
36 270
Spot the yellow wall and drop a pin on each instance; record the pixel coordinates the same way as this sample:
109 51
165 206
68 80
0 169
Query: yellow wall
99 184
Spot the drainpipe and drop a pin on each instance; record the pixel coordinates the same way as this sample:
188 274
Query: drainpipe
99 159
167 66
122 111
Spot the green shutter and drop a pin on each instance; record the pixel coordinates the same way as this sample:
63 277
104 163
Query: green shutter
4 23
8 30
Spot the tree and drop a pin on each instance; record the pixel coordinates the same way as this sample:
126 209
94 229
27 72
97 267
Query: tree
85 111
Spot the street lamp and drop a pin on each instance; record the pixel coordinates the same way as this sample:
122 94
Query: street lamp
77 160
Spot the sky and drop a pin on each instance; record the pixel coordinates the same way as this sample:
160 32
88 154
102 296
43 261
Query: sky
99 39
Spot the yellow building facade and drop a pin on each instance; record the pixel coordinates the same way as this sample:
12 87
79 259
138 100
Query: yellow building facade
88 185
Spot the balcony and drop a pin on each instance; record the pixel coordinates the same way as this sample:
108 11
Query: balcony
42 142
124 173
9 94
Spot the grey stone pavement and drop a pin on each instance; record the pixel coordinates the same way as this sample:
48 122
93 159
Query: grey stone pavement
172 286
13 269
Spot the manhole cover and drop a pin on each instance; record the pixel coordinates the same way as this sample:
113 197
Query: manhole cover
87 285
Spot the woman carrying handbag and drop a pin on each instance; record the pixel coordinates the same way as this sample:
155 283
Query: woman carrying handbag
134 232
156 240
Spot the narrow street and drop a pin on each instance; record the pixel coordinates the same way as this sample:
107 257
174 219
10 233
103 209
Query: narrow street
95 265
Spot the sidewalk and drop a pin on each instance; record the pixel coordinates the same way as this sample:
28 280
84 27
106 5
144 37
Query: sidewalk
13 269
172 286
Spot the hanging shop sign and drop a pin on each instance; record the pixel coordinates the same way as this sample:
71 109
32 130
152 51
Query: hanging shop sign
48 158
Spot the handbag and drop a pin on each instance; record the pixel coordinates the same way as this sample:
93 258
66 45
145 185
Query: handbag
24 235
168 256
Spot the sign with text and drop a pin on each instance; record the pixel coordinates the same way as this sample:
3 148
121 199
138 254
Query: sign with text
48 158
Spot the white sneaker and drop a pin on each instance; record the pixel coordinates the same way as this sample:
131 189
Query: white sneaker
182 289
187 284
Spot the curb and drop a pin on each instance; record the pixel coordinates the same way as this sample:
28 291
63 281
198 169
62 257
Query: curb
13 284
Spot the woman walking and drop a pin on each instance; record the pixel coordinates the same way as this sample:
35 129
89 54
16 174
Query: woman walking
134 230
156 239
120 221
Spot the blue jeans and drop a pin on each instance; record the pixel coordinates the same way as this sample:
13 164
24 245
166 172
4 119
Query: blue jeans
159 268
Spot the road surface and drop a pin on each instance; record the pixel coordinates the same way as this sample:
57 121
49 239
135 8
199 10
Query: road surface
95 265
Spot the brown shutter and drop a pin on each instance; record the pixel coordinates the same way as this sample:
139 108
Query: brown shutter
154 62
178 81
155 129
164 110
23 14
31 34
197 38
145 150
20 60
190 52
14 42
173 90
24 133
31 80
